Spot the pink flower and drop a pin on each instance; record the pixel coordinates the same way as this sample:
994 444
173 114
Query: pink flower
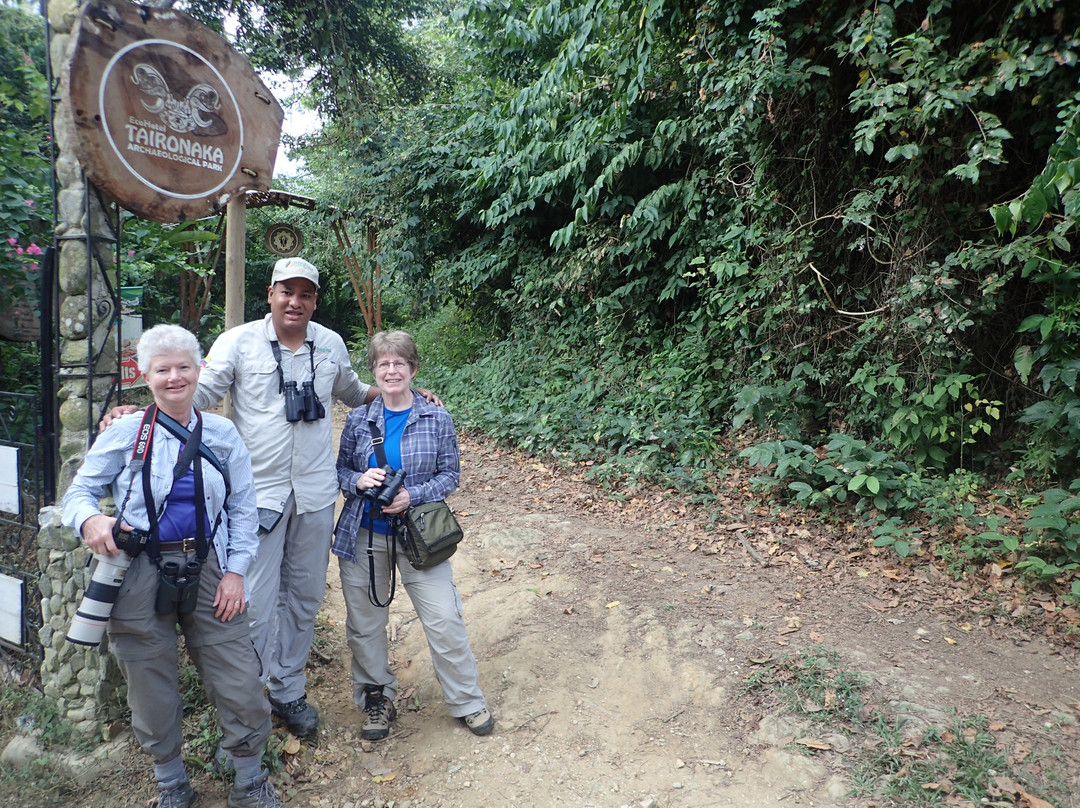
131 253
33 249
18 250
33 267
12 241
30 203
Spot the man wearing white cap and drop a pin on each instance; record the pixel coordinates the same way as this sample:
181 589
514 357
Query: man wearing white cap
282 373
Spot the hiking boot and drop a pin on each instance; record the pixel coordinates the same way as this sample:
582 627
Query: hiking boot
178 796
259 793
380 712
299 716
480 723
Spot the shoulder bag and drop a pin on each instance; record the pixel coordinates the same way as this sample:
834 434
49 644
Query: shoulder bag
428 533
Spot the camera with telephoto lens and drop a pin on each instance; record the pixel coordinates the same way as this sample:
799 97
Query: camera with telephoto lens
302 403
88 625
385 493
178 589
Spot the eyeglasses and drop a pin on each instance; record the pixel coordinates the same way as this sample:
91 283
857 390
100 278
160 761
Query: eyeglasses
396 364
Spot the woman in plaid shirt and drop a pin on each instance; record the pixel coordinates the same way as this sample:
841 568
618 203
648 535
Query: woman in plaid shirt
420 439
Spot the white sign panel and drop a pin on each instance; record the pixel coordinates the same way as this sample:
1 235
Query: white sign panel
11 607
9 480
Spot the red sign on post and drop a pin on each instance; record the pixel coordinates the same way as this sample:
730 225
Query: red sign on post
169 119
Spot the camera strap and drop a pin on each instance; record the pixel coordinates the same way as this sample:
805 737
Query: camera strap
377 443
391 550
193 452
310 343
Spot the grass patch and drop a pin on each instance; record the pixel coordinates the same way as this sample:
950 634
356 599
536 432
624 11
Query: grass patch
962 762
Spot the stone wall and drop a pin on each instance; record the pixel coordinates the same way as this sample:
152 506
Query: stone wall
84 681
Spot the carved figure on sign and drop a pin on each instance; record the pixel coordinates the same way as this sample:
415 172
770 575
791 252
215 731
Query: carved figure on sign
180 115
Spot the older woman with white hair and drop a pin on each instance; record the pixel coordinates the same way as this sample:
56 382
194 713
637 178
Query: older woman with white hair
186 526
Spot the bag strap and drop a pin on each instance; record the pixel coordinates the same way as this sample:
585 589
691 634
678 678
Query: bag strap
205 452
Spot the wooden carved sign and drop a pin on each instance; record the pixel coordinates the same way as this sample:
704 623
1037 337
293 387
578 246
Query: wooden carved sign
169 119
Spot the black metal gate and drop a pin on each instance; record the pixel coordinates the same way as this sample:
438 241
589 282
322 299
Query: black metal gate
28 457
24 490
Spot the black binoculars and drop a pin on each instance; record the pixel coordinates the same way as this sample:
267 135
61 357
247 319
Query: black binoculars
178 589
302 403
385 493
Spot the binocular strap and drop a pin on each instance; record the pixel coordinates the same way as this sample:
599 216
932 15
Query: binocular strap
391 552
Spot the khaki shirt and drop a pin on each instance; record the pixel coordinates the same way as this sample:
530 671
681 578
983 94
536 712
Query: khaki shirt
286 457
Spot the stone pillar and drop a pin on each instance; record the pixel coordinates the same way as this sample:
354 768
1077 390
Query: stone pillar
85 682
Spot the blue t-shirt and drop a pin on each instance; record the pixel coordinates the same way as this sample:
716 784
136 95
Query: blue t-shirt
395 426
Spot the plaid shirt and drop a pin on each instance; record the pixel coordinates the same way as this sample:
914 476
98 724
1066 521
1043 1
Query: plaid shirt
429 455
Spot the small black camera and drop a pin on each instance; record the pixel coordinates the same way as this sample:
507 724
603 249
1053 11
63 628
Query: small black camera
385 493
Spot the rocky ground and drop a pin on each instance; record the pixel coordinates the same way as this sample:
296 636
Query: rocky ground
614 639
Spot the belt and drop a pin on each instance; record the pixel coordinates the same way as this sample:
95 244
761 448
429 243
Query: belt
181 546
127 541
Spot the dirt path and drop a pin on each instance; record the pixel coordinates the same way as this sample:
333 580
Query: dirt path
612 650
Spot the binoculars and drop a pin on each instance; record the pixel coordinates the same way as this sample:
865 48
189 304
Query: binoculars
302 403
385 493
178 589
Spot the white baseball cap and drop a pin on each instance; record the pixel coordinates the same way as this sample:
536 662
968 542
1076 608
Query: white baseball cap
287 268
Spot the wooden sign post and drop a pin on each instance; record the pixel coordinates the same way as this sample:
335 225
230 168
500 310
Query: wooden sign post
171 122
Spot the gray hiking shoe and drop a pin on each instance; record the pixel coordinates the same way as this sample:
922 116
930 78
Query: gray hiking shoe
177 796
299 716
380 712
480 723
259 793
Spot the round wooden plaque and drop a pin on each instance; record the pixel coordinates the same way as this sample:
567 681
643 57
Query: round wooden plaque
284 239
169 119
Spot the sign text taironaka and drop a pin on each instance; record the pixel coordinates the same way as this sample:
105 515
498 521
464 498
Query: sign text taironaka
169 120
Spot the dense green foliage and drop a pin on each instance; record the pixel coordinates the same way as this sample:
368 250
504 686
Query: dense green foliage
25 199
839 236
778 214
829 222
351 51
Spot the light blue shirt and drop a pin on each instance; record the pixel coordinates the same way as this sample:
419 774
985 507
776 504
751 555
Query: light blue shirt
288 457
106 470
